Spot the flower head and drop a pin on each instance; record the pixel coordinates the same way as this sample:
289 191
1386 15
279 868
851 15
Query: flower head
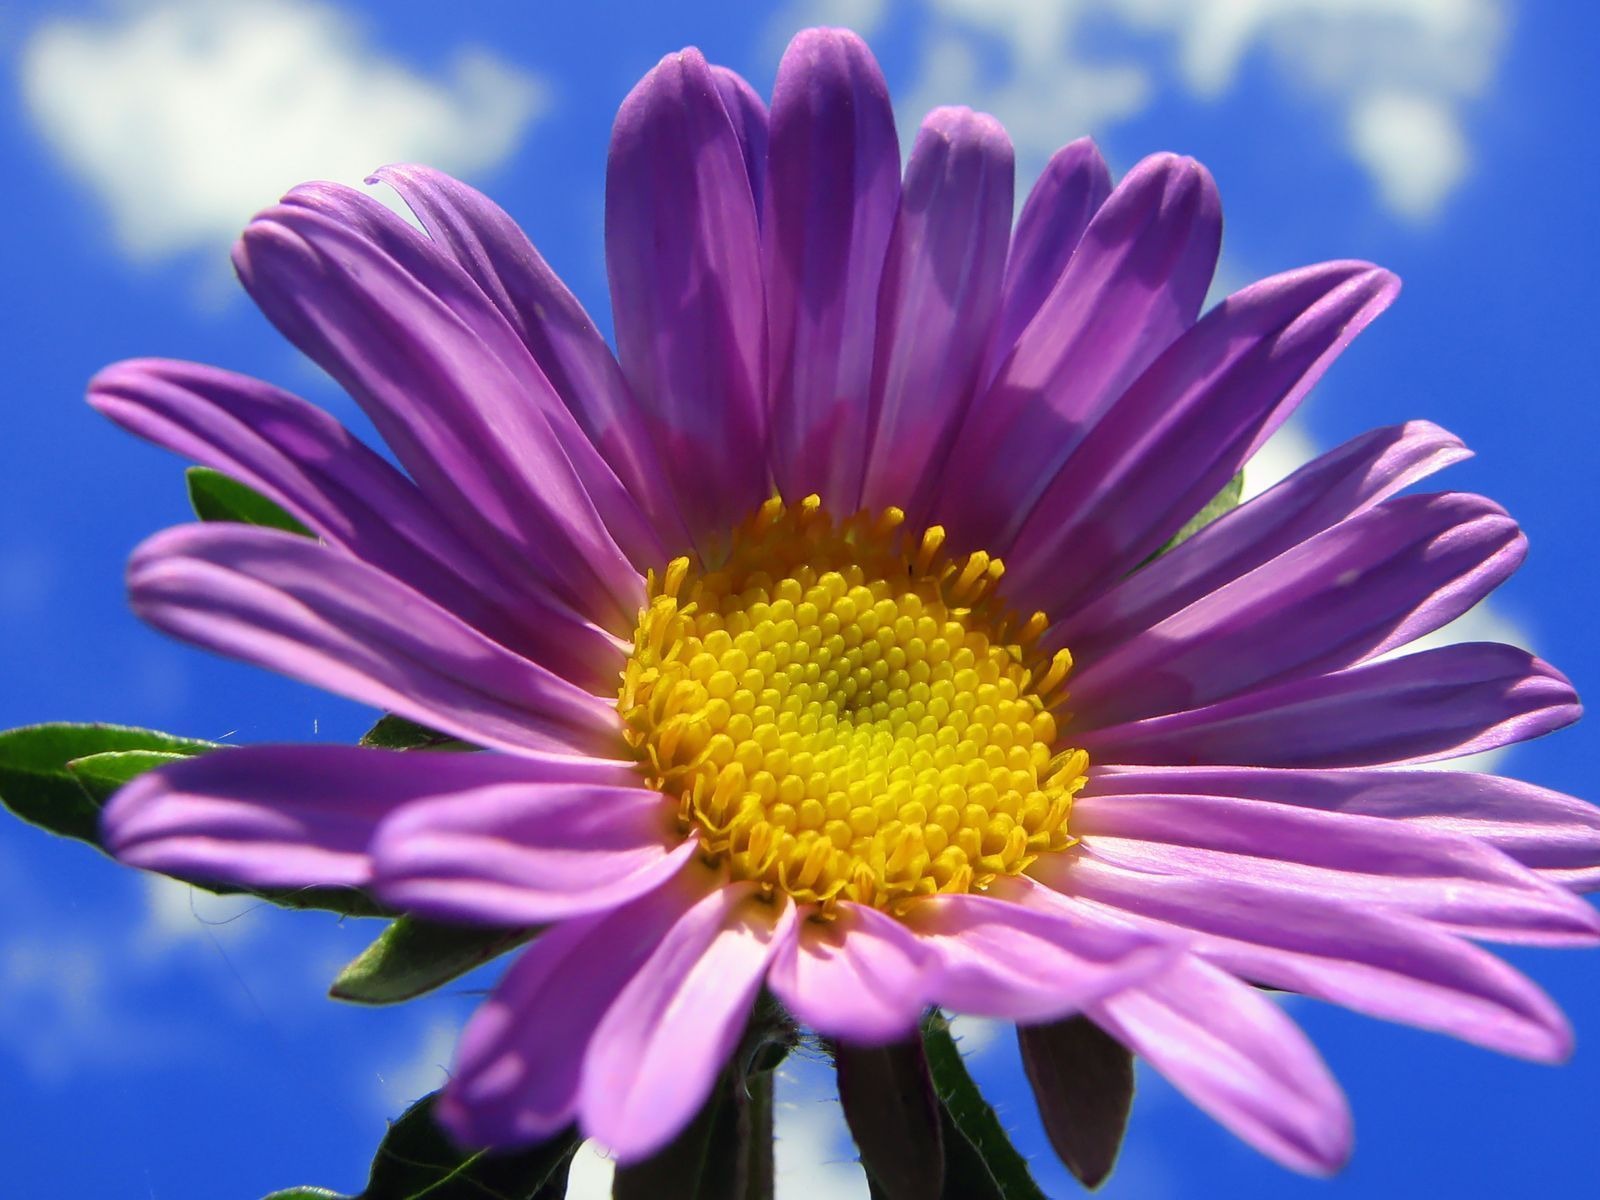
816 636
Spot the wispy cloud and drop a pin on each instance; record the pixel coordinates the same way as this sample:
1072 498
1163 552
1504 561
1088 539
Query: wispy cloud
185 116
1394 76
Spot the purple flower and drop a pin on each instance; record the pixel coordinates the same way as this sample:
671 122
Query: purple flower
766 709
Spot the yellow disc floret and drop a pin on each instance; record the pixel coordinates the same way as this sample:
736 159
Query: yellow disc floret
846 712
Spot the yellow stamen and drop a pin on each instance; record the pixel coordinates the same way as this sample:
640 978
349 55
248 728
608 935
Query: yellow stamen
846 711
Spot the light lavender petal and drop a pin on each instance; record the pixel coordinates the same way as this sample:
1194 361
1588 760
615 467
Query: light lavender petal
288 604
832 187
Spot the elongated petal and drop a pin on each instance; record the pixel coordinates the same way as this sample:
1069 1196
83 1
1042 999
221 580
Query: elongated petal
861 977
683 257
1234 1053
1446 877
1380 963
449 387
998 958
526 854
559 335
1556 835
303 459
751 123
1345 481
285 603
300 816
664 1041
1435 704
1066 196
520 1060
1185 427
833 183
941 289
1134 283
1369 584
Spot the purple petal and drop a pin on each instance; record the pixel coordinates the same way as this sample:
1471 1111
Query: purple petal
1339 484
1133 285
1442 703
527 853
862 976
1554 834
517 1069
683 257
288 604
1369 584
1371 861
450 388
748 113
298 456
1070 190
940 292
1001 958
1380 963
665 1040
832 186
1233 1052
1185 427
559 335
297 816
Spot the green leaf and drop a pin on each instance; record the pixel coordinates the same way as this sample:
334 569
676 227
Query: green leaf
417 1161
1221 504
218 497
38 784
971 1115
59 777
413 956
397 733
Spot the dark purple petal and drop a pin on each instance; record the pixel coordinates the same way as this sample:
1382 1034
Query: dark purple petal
298 456
861 977
1070 190
1380 963
1233 1052
1450 878
451 389
300 816
559 335
527 854
288 604
1339 484
1368 585
832 187
661 1046
748 113
1436 704
1167 445
1556 835
941 288
1133 285
683 257
518 1066
1000 958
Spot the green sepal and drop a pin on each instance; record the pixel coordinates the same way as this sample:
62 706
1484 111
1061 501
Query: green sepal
39 784
417 1159
994 1159
59 776
218 497
397 733
1220 505
412 957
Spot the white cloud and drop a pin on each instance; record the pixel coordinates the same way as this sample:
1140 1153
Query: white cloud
424 1070
1395 74
186 116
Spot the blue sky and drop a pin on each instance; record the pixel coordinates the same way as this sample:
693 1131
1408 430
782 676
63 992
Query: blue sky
157 1045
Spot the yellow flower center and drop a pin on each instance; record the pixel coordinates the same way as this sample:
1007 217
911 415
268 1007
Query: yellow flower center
847 712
